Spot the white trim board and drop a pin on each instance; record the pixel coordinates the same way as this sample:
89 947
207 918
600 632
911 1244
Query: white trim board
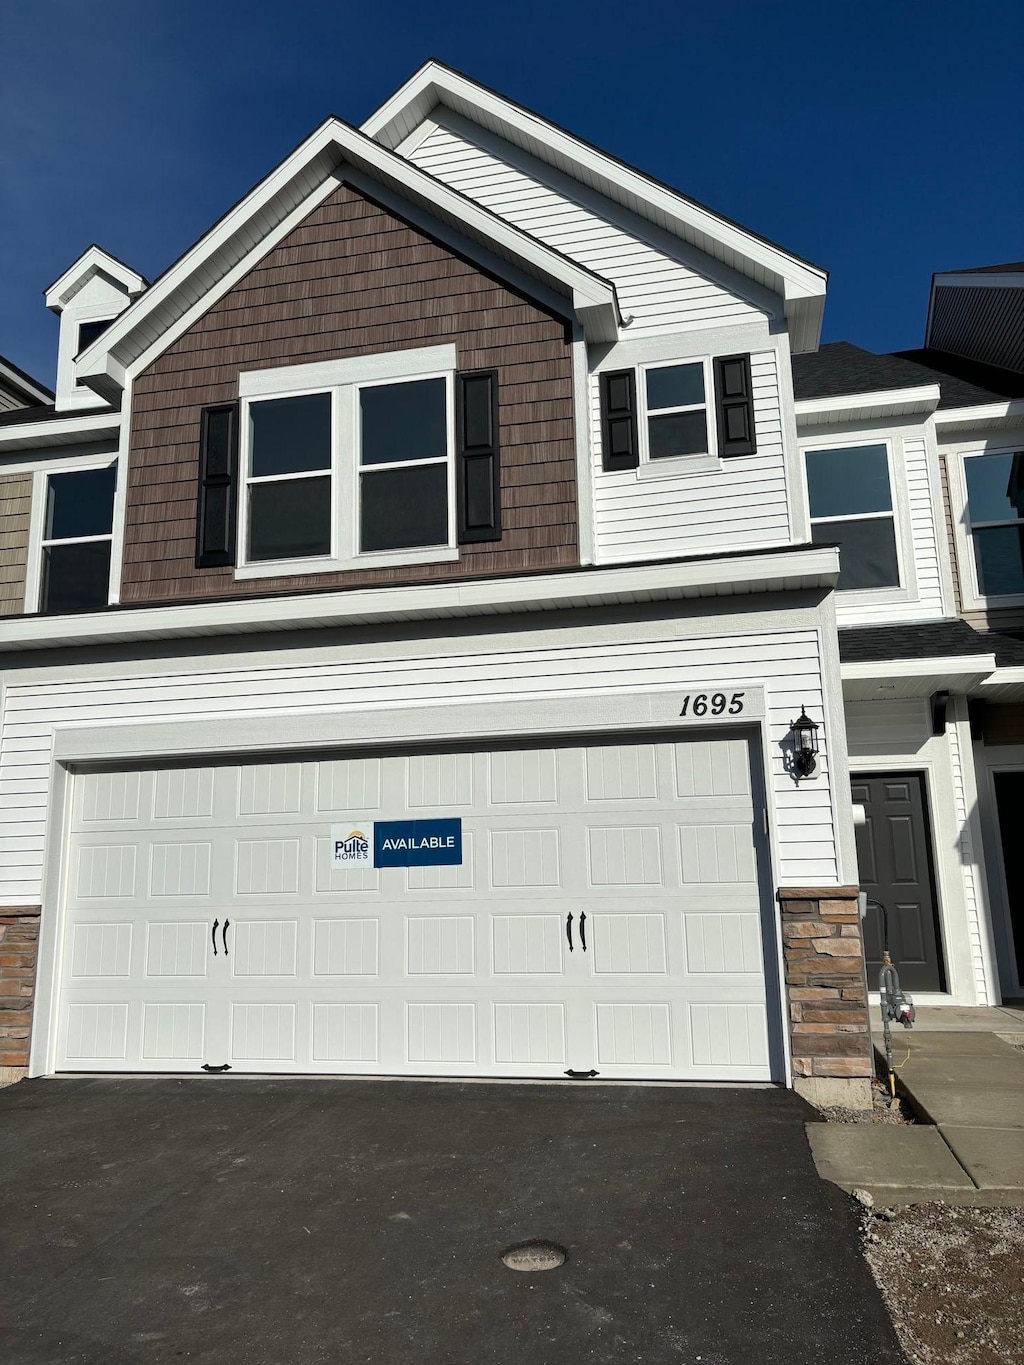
809 567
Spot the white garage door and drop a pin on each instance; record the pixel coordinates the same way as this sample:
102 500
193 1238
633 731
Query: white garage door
606 916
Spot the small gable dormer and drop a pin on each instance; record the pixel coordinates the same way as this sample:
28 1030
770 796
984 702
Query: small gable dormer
90 294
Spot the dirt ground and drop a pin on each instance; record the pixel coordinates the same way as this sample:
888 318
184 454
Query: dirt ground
953 1281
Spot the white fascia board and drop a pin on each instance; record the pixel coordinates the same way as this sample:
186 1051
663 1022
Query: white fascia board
920 668
856 407
71 430
888 679
797 282
1007 413
104 365
92 260
803 568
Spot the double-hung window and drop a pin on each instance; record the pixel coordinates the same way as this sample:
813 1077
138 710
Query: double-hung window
290 457
850 495
361 471
995 518
675 410
77 533
403 465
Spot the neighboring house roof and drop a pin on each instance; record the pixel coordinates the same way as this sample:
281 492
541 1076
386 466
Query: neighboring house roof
1006 383
15 380
840 368
1007 268
46 412
797 281
928 640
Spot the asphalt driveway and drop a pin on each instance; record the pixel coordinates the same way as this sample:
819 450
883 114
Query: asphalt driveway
295 1222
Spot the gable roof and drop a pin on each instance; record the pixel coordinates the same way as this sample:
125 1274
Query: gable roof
800 283
839 368
334 152
93 261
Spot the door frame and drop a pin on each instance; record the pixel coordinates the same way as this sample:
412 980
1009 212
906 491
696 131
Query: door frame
1010 983
601 717
941 874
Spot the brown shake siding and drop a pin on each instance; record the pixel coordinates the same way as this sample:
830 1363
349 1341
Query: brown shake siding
354 280
15 512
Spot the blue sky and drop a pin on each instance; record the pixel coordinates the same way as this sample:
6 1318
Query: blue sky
881 140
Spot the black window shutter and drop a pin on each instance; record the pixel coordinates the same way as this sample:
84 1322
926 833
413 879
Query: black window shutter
478 468
734 399
619 445
218 464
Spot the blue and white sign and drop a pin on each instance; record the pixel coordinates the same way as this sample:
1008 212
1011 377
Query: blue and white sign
417 843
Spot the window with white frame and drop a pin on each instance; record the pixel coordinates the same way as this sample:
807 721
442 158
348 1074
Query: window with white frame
849 492
675 410
360 469
77 535
995 520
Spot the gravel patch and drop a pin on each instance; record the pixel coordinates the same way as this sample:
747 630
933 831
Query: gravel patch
881 1111
953 1281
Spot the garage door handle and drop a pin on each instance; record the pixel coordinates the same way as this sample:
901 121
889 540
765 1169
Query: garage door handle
224 932
568 929
213 935
583 930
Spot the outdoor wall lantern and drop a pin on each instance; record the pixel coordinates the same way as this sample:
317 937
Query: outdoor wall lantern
805 732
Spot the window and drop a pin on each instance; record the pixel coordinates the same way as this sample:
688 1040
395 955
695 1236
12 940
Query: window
850 500
290 477
676 410
995 515
78 522
88 332
355 470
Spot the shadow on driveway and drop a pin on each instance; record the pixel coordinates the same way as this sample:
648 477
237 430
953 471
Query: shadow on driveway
252 1222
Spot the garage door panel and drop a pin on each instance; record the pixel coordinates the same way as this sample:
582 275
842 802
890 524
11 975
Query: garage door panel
723 944
527 944
264 947
440 945
177 948
346 947
650 847
173 1031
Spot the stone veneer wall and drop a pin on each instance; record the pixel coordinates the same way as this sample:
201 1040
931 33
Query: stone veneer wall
827 995
19 934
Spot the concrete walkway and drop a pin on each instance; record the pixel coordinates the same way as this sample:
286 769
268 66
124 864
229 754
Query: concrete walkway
966 1085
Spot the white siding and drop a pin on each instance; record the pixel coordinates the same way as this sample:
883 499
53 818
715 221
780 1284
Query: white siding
786 661
923 510
656 289
738 506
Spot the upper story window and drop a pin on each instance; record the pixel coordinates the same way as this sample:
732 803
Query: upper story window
695 412
995 519
850 495
676 417
77 534
355 470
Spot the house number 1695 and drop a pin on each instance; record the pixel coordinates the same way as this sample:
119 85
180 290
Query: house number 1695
712 703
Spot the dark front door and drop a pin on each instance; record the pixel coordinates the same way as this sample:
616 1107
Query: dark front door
1010 804
894 854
